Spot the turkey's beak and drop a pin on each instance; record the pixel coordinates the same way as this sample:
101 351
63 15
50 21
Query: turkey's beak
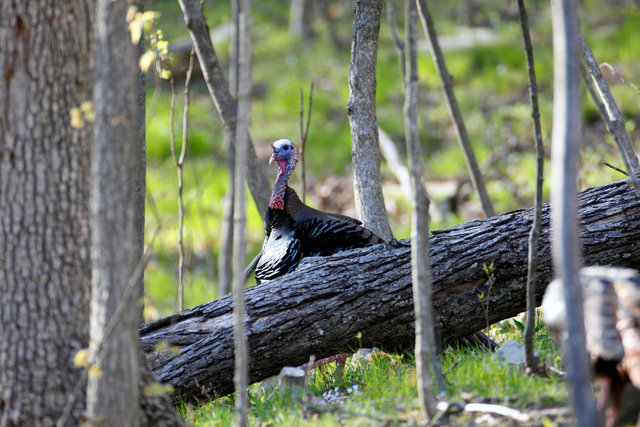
273 157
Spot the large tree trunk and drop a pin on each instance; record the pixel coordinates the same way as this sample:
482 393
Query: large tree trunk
45 268
120 394
321 306
45 50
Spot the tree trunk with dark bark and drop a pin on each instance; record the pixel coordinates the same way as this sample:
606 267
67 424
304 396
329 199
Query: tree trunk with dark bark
122 393
45 267
321 306
45 50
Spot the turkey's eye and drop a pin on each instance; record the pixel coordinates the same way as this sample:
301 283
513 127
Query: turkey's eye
286 147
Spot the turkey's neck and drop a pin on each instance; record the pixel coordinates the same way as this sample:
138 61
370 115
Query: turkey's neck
280 186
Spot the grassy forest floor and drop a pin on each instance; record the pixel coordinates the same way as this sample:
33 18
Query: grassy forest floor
484 53
380 389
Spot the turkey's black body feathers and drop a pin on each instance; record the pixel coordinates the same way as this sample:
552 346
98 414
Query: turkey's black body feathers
298 231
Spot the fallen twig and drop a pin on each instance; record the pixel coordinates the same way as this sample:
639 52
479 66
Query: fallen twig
492 408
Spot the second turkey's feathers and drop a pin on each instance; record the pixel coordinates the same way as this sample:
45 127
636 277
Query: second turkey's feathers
611 298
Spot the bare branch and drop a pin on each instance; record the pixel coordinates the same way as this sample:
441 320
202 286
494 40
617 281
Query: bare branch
239 233
221 96
172 134
622 79
610 113
226 240
304 132
225 270
454 109
564 165
615 168
534 237
302 142
234 48
179 162
425 345
393 28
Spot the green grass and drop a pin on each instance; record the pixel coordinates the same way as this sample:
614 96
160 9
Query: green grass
382 389
205 187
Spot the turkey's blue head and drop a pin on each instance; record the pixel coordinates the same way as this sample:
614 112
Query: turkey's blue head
285 154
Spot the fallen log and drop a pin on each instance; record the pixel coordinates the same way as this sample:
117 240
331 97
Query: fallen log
363 297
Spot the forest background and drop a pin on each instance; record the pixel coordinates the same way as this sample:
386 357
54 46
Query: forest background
482 43
72 207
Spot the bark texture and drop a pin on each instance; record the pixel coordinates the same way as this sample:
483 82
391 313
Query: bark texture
361 109
114 397
45 51
321 306
45 266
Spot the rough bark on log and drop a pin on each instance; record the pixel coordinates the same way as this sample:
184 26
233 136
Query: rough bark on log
321 306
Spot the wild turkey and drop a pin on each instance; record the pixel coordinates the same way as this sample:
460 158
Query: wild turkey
612 325
295 230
